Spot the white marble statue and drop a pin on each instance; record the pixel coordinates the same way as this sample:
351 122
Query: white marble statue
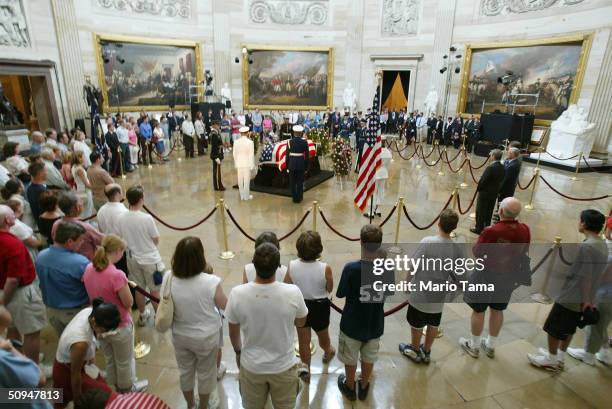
226 93
571 134
431 102
349 98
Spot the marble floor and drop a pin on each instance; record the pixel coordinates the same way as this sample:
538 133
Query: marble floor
180 192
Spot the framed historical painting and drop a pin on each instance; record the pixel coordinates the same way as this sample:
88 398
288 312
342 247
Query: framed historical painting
535 76
144 73
287 78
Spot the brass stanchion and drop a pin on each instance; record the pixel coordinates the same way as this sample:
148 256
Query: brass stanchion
141 349
121 163
433 147
315 210
530 205
226 254
400 207
541 295
455 193
575 177
464 184
441 171
540 149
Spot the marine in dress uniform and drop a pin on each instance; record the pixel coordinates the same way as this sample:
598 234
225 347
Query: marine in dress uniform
244 161
286 131
298 154
216 154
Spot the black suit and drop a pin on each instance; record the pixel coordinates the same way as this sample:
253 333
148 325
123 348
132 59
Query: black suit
488 189
216 152
431 126
173 122
513 168
112 141
439 133
298 154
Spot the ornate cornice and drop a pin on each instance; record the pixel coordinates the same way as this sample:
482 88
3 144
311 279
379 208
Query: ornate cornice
180 9
289 11
499 7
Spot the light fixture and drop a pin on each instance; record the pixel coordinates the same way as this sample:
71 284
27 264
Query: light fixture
458 56
457 70
445 56
452 49
236 60
443 70
120 59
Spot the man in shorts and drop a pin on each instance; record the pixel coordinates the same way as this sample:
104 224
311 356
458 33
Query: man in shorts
144 262
501 246
425 308
19 291
577 294
363 321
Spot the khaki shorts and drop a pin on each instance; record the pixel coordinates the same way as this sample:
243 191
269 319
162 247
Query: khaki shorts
350 350
27 309
59 319
283 389
197 357
142 274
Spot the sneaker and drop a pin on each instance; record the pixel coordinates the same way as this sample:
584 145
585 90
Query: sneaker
560 363
604 357
581 355
466 344
362 393
143 318
408 351
425 355
345 390
140 386
221 370
543 361
489 351
303 372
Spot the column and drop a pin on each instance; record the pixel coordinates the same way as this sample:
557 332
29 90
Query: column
70 57
223 54
600 112
443 38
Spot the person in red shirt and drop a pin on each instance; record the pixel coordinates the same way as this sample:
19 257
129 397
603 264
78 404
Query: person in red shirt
19 292
102 399
499 246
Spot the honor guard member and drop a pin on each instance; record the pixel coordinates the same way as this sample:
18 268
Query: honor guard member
298 152
285 129
244 154
216 154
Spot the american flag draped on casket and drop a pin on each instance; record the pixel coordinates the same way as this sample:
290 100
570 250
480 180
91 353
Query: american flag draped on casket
277 153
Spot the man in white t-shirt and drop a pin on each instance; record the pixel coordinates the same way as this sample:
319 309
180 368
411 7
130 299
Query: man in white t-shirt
264 313
109 213
144 262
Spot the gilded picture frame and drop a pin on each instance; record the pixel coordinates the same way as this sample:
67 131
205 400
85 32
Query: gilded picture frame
271 100
583 40
174 66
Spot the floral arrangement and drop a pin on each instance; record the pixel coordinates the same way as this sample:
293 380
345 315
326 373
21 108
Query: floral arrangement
321 137
255 138
341 157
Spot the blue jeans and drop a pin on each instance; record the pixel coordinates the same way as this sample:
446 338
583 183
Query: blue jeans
125 151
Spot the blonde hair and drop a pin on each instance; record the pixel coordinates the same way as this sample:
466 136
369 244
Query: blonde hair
110 244
78 157
67 157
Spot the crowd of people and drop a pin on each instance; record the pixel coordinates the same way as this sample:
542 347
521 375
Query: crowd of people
60 267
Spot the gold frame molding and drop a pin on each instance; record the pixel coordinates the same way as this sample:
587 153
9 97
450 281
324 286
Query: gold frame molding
330 78
586 38
97 38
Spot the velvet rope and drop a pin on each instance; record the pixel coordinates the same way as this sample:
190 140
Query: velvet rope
345 237
193 226
433 222
451 167
139 289
161 155
528 184
386 219
397 149
478 167
231 216
563 259
548 253
571 157
580 199
472 174
453 159
592 168
407 158
470 205
93 216
431 165
423 156
297 226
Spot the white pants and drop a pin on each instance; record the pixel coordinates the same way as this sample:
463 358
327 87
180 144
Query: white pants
244 179
379 193
118 351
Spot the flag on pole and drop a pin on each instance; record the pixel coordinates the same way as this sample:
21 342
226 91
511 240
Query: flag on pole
370 157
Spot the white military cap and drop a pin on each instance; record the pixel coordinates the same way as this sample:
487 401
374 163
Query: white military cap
243 129
298 128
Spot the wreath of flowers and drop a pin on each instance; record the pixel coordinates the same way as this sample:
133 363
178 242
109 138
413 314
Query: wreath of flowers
255 138
341 157
321 137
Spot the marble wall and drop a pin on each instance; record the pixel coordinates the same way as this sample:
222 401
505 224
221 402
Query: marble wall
365 35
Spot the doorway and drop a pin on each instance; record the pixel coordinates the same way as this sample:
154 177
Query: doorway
395 88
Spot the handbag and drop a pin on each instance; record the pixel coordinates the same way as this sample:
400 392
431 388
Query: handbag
165 310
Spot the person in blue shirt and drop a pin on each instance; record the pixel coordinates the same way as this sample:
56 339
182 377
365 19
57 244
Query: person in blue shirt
60 270
146 133
16 370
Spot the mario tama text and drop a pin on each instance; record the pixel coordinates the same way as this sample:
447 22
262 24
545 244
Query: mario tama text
445 271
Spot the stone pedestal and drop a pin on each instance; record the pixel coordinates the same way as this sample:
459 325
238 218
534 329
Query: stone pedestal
565 144
15 135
